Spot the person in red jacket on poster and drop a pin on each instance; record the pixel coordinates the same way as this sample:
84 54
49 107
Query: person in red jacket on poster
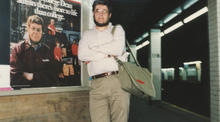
74 49
52 28
52 32
58 57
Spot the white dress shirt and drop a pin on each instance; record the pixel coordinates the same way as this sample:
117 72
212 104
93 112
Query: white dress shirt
94 46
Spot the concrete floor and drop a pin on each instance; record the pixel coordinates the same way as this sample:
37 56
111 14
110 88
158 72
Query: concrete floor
141 111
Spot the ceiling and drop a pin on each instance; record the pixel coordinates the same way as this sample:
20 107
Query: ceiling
138 16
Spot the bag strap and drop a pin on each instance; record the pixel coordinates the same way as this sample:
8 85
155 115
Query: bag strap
136 61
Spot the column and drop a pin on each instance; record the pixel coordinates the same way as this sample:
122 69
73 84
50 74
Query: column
133 49
85 21
155 61
214 56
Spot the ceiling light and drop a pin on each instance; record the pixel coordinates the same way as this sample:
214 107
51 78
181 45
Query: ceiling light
189 3
181 68
176 12
193 62
142 37
139 47
170 17
146 43
138 40
162 34
145 35
167 69
175 26
196 14
142 45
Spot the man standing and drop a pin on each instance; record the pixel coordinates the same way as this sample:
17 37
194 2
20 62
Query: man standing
58 56
71 25
108 102
32 62
74 49
52 29
52 32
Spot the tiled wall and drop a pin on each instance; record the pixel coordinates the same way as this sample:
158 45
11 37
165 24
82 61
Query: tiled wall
214 46
54 107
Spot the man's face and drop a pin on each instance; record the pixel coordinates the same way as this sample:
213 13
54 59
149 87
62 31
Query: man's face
35 32
101 15
52 22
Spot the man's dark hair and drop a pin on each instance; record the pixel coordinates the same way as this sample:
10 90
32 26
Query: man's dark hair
102 2
35 19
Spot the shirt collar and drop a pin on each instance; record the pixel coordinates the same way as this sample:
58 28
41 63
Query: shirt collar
35 48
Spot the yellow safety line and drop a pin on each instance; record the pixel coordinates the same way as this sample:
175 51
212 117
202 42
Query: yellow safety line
186 110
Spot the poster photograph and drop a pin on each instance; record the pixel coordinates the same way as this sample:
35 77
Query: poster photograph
44 43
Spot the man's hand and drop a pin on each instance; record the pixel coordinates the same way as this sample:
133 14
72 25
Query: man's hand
86 62
28 76
57 58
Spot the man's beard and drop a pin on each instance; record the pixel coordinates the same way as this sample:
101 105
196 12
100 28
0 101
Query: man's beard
100 24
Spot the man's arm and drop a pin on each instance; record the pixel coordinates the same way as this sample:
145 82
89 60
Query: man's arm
51 29
85 53
16 71
58 31
21 79
48 77
118 43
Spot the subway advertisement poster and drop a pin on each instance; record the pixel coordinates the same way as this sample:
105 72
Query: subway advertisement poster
44 44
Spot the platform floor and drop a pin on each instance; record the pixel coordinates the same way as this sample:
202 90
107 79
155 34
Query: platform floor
141 111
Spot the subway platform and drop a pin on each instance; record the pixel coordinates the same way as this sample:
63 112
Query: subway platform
141 111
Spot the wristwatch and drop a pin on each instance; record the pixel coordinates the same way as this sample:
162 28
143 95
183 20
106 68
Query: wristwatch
109 56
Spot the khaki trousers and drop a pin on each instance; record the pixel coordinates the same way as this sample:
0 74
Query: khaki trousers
108 102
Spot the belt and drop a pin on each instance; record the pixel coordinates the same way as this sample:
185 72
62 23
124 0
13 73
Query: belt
104 74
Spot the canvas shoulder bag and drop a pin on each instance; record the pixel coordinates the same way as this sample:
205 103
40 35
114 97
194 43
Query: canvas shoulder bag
133 78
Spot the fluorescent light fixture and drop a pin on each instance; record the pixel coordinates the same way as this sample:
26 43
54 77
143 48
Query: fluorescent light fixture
189 3
146 43
181 68
145 35
142 45
139 47
192 62
167 69
196 14
170 17
177 11
138 40
173 27
162 34
142 37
